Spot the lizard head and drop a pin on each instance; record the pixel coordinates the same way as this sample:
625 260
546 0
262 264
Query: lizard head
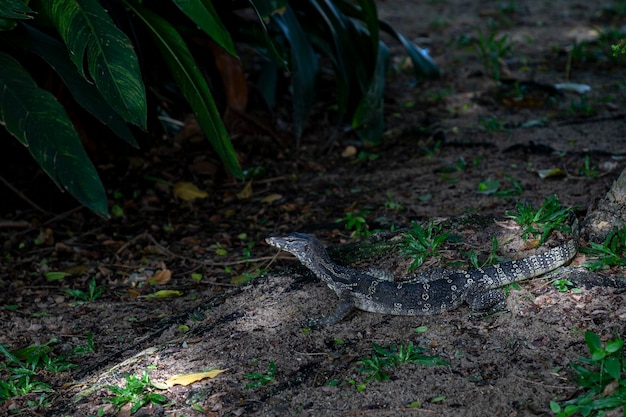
303 246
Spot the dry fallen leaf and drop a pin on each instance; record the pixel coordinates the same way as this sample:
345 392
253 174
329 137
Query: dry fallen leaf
188 191
271 198
161 277
45 238
191 378
163 294
531 244
246 192
349 151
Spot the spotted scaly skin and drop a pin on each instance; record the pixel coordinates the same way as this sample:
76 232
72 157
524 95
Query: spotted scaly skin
431 292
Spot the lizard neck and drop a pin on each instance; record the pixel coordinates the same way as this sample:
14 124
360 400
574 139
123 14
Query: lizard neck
337 277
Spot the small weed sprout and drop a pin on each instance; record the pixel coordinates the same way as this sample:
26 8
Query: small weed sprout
550 216
588 170
357 223
565 285
94 292
23 366
581 108
431 152
421 243
492 51
491 259
367 156
391 204
138 392
492 124
619 47
18 376
258 379
601 378
395 356
492 187
612 252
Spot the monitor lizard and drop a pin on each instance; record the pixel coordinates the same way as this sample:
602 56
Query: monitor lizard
430 292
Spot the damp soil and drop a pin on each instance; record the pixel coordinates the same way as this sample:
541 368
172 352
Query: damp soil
444 138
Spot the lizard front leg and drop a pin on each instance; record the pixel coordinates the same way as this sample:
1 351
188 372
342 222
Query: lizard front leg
487 302
345 306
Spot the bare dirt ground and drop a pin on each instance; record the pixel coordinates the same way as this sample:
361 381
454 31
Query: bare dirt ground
511 364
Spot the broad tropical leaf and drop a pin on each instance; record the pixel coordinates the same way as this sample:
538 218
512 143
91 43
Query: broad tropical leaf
191 83
15 9
202 13
85 93
91 36
38 121
304 67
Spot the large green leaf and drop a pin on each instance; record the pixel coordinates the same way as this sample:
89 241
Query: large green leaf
191 82
10 10
422 62
370 15
15 9
38 121
304 67
267 42
368 118
85 93
202 13
91 36
336 46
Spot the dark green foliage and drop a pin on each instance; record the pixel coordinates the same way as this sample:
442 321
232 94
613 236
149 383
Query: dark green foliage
421 243
347 33
108 54
97 63
601 378
138 392
20 374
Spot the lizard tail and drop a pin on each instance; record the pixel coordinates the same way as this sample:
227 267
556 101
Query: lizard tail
495 276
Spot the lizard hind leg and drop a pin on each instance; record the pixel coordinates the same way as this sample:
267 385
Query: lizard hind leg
345 306
487 302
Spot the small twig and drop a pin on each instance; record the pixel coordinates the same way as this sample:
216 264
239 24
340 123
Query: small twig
52 220
148 236
20 224
22 196
544 385
62 215
271 261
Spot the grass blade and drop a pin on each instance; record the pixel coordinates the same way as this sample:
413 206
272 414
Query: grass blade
304 67
202 13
